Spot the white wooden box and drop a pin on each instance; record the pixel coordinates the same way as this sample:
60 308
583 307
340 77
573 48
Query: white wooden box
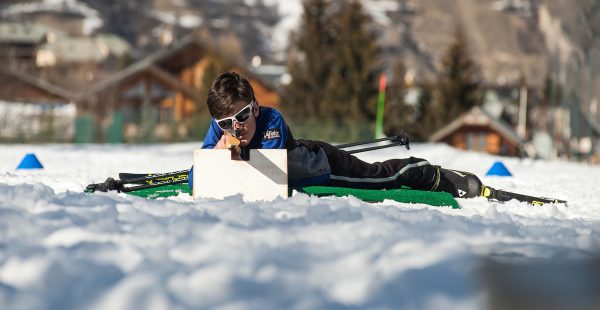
263 177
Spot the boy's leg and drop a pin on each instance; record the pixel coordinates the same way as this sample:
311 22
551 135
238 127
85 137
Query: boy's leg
349 171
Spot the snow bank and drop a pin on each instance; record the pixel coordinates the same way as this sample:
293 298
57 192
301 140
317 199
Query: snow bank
62 249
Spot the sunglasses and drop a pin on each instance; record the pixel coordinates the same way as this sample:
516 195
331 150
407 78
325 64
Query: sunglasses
240 117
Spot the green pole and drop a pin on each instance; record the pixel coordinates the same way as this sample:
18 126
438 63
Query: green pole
591 94
380 102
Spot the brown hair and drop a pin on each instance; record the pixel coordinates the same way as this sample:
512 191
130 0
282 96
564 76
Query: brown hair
226 91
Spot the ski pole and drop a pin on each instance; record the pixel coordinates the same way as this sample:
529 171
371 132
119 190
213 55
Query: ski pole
378 147
399 138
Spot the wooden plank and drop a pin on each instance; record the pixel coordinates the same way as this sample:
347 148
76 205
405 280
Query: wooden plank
263 177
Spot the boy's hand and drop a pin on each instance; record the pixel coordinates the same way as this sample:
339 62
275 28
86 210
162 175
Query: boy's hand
228 141
236 153
222 143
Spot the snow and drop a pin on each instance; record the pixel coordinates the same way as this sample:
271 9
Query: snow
91 22
189 21
62 249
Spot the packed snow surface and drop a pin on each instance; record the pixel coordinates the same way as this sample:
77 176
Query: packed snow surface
63 249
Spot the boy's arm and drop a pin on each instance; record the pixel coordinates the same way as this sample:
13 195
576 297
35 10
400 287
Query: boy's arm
213 135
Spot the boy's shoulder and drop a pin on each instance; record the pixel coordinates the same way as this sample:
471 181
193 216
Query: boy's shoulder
271 114
270 111
273 126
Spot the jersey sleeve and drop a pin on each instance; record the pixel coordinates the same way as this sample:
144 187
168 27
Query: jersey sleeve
213 135
276 134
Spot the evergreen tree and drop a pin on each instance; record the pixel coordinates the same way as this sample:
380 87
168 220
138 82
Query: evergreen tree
351 89
458 87
415 120
335 66
311 60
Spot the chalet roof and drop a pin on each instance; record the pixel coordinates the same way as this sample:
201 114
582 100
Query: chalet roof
86 49
38 83
12 32
69 9
157 62
58 7
116 45
73 50
477 117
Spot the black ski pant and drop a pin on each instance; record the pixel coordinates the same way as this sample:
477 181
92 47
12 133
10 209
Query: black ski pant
349 171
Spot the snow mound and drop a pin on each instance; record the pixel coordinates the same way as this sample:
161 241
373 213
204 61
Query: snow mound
62 249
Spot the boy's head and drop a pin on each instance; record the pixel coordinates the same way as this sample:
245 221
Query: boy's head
229 98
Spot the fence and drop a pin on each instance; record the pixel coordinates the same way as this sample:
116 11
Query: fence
36 122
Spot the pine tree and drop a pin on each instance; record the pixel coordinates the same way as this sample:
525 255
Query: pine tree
458 87
335 68
310 62
415 120
351 90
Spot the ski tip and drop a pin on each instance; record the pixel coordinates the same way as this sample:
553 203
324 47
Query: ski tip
540 201
501 195
549 201
558 201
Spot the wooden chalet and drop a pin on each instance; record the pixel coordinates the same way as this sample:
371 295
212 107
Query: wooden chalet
33 110
19 42
16 86
171 81
478 131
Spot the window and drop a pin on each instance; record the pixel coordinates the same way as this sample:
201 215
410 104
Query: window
469 141
482 141
477 141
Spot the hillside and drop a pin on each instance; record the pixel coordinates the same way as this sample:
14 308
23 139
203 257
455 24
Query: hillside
511 40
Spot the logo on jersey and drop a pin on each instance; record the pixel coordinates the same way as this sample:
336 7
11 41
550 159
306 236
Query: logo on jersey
271 134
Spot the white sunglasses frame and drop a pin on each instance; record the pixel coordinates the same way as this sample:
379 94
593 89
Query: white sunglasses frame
251 105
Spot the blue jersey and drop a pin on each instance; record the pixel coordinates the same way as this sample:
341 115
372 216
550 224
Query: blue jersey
305 166
271 132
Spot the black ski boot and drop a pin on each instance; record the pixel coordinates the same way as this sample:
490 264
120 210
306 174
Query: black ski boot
467 185
458 183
